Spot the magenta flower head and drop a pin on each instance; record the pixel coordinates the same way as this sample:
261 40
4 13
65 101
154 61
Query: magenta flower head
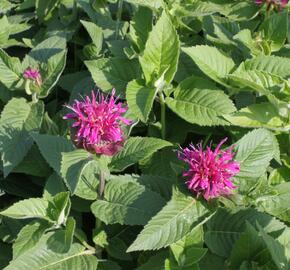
32 74
210 172
97 123
275 4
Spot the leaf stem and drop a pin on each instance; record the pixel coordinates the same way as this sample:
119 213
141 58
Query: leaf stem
34 97
119 15
83 242
163 116
101 184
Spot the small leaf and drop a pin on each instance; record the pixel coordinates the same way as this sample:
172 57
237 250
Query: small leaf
140 99
200 105
160 57
109 73
211 61
30 208
135 149
127 202
171 224
18 119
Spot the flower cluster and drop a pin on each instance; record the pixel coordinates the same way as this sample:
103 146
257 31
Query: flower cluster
32 74
275 4
210 172
96 126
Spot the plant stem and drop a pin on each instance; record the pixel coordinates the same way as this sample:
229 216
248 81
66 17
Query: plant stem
34 98
163 116
101 185
83 242
119 15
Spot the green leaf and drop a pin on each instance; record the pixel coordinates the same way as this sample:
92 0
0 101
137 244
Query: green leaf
155 262
211 61
10 71
5 254
44 9
30 208
52 72
276 65
135 149
258 115
276 249
51 148
189 250
109 73
171 224
53 185
18 119
277 205
160 57
226 227
117 249
72 166
254 152
140 27
95 33
156 4
249 247
41 257
28 237
44 51
127 202
275 29
200 105
140 98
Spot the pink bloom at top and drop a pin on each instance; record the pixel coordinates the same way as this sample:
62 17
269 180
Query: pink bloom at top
32 74
277 4
96 126
210 172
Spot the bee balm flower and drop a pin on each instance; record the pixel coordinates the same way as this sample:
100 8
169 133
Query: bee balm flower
210 172
276 4
96 126
32 74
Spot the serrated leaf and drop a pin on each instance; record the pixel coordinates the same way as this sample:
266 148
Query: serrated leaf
127 202
200 106
95 33
72 166
172 223
276 65
135 149
249 247
156 4
109 73
30 208
140 27
226 226
53 70
254 152
140 98
211 61
258 115
10 70
18 119
41 257
28 237
274 29
51 148
161 53
277 205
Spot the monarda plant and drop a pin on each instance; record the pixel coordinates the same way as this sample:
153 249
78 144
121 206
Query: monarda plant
143 135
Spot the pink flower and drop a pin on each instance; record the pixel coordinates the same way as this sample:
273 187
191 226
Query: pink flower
210 172
32 74
276 4
96 126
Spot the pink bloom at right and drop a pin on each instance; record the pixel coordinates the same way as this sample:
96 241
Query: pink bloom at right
279 4
210 172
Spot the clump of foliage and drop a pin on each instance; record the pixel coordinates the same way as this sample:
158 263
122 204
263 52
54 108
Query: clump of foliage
144 134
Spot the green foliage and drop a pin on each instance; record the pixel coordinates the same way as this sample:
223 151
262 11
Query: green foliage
186 72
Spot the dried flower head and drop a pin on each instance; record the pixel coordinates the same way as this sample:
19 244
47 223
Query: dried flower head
210 172
32 74
96 126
